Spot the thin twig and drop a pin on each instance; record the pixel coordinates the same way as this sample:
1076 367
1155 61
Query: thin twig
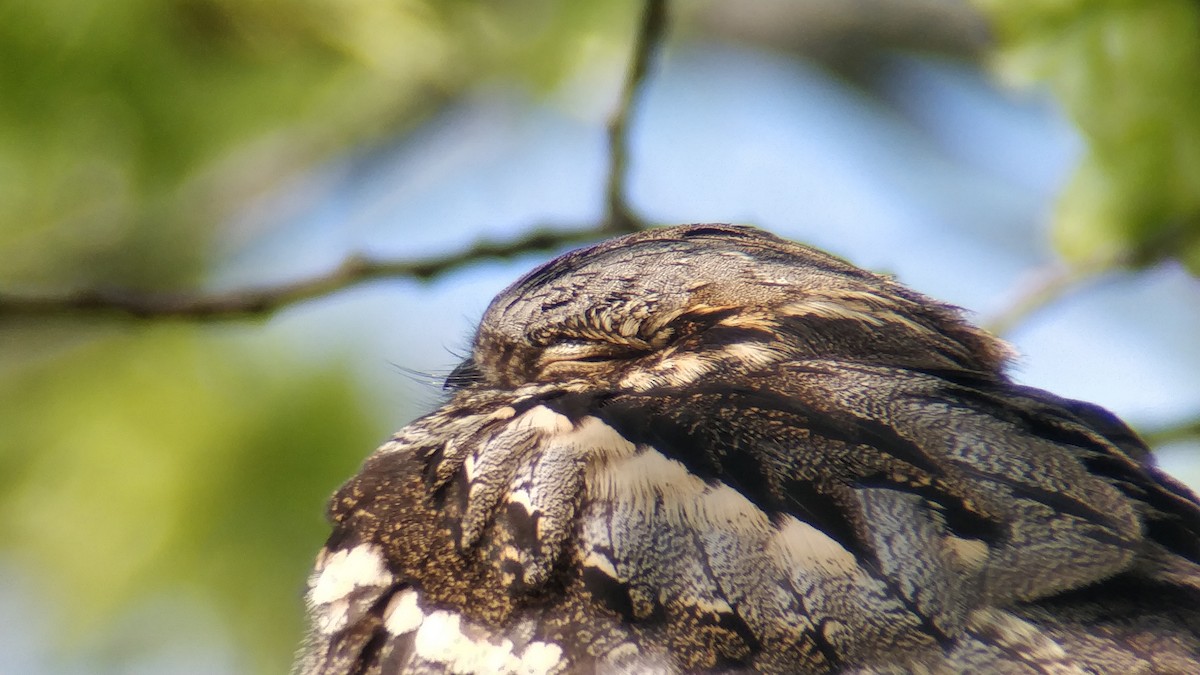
1052 285
355 269
619 216
1187 430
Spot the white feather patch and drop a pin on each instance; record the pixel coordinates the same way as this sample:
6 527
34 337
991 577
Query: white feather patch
346 570
403 614
804 547
543 419
540 658
644 480
755 354
443 638
597 438
339 577
729 509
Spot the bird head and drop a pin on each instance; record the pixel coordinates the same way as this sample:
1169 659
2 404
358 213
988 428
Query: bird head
670 306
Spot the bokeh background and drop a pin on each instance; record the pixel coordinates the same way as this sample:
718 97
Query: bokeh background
162 480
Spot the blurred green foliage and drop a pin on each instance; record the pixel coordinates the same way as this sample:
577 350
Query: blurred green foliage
136 126
137 458
1128 73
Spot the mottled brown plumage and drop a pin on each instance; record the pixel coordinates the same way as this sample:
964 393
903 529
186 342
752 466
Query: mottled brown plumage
704 448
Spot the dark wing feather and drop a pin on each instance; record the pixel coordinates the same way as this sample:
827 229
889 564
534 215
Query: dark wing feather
826 516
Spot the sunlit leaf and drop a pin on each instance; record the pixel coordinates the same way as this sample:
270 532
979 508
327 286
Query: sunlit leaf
1128 73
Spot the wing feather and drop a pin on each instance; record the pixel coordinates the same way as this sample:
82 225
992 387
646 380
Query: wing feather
824 516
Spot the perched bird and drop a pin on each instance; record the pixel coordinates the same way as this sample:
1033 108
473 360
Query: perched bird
707 449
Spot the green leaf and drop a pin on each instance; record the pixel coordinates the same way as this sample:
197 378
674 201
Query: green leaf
1128 74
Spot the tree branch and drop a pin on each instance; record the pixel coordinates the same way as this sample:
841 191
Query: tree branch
354 270
619 216
357 269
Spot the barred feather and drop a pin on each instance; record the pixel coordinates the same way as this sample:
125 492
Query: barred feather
704 448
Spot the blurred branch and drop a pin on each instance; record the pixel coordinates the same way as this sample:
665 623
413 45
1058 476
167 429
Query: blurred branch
1051 285
357 269
354 270
1187 430
619 216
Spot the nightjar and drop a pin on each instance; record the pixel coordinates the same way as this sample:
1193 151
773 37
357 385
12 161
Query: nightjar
707 449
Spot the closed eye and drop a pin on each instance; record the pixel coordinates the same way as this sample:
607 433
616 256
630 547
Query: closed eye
589 352
598 358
